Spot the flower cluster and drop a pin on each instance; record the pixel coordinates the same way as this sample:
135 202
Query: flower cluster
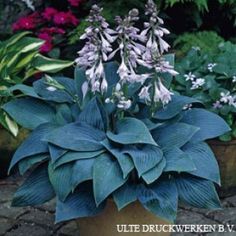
135 47
196 82
48 25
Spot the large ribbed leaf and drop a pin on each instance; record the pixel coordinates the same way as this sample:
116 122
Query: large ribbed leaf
94 114
28 162
56 152
210 124
177 160
82 171
107 177
152 175
59 96
161 199
35 190
79 204
204 160
29 112
175 135
124 160
197 192
60 179
77 137
74 156
174 107
125 195
131 131
145 157
33 144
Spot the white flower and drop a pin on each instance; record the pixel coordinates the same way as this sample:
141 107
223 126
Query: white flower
234 79
104 85
124 104
196 48
165 94
85 88
144 94
210 66
51 88
96 86
197 83
29 4
189 76
225 97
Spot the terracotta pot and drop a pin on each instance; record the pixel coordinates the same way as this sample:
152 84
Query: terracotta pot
112 220
225 153
8 145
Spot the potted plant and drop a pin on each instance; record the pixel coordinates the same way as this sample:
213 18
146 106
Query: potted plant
211 78
115 135
19 60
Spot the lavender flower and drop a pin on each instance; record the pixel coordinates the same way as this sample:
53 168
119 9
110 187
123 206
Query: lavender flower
161 93
217 105
210 66
145 94
96 50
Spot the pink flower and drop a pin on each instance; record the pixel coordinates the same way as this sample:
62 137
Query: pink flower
74 3
65 18
24 23
49 13
53 30
46 47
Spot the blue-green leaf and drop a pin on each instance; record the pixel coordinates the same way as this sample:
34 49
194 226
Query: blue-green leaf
29 112
59 95
33 144
145 157
124 160
197 192
174 107
94 114
175 135
56 152
74 156
161 199
77 137
82 171
28 162
79 204
152 175
204 160
210 124
125 195
131 131
107 177
36 190
60 179
177 160
26 90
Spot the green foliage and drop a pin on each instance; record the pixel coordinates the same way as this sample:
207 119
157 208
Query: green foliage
201 4
19 60
207 41
152 160
218 91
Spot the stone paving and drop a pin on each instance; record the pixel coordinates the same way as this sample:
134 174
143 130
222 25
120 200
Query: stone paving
39 221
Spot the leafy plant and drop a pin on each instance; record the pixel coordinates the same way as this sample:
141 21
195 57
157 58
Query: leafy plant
186 41
153 159
211 79
19 60
121 118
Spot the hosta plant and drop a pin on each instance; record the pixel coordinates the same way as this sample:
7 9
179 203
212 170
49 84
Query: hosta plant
211 78
116 131
19 60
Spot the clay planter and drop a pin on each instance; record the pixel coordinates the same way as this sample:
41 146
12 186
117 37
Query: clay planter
8 145
106 223
225 153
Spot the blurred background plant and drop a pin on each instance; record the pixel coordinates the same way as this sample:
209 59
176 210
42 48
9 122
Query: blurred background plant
211 78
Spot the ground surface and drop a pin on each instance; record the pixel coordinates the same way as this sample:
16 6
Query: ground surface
39 221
